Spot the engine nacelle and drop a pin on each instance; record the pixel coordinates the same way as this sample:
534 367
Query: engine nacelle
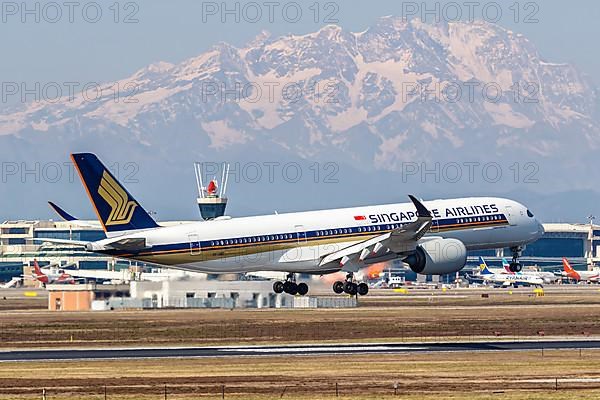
438 257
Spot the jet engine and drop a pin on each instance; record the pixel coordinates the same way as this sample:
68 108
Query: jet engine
438 257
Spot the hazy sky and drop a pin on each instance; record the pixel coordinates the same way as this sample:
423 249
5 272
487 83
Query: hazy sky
67 46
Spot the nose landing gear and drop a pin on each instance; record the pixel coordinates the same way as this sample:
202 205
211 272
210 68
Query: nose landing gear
515 265
350 287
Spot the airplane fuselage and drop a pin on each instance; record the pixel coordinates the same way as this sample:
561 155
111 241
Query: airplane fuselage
516 279
296 242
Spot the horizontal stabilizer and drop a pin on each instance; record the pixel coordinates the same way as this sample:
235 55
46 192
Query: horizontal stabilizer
61 241
129 244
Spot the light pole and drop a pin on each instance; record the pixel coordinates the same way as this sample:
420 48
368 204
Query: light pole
590 260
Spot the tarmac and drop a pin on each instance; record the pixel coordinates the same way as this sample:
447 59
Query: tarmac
288 350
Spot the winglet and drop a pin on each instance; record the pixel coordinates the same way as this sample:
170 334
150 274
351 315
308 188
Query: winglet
422 211
62 213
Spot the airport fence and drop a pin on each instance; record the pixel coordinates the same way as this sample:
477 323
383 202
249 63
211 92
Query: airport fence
270 388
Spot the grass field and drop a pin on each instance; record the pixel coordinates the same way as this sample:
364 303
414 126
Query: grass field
437 321
510 375
384 316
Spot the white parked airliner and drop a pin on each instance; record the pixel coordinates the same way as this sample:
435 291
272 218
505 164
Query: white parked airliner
431 237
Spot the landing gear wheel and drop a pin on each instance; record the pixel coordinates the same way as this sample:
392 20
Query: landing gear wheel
278 287
338 287
302 289
515 267
363 289
350 288
290 288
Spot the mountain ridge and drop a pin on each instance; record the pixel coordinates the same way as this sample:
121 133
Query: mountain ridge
373 101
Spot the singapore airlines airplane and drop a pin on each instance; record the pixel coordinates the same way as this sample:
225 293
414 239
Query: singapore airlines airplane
431 237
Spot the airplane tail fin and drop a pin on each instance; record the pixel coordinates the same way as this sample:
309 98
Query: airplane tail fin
566 266
115 207
36 268
62 213
506 266
38 275
569 270
483 267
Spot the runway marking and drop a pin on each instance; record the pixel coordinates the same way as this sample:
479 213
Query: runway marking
311 349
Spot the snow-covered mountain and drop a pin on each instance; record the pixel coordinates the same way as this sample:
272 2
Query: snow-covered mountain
399 92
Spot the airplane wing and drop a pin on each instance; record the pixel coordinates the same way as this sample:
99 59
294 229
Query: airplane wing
385 247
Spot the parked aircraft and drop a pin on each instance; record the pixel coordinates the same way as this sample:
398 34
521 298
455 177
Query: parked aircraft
587 276
51 275
503 279
504 270
547 276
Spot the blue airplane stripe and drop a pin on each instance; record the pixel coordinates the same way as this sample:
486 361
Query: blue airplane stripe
292 237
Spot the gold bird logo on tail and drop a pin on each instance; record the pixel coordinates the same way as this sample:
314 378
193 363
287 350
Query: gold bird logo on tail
121 207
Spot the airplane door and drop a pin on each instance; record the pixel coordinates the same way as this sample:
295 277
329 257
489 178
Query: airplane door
508 211
194 244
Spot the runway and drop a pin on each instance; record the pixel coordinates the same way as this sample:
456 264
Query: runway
289 350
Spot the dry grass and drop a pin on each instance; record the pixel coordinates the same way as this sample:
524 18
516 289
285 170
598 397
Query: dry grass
423 376
203 327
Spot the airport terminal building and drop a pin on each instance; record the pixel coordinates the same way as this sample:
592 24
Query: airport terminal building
18 249
578 242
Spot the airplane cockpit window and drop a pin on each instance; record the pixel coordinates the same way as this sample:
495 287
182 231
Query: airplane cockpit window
529 214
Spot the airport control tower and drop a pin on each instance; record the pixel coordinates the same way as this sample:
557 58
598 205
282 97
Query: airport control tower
211 198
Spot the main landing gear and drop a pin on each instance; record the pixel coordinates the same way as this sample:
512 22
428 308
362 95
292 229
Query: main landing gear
290 286
350 287
515 265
